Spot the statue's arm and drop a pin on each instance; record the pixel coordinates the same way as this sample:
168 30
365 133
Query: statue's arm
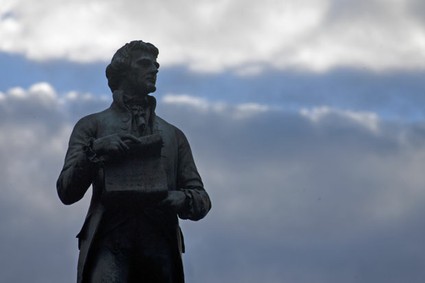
189 181
78 172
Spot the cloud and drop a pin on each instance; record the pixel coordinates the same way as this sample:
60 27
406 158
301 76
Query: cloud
243 110
298 196
302 200
211 36
196 102
368 119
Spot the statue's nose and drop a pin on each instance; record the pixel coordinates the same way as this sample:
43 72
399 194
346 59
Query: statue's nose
153 69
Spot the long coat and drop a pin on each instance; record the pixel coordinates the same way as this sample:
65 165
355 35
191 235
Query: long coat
79 172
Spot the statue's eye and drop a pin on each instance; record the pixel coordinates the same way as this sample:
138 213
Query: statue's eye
144 62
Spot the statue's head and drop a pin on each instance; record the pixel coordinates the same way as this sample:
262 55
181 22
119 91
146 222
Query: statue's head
134 64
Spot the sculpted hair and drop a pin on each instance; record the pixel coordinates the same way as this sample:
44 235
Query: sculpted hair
121 61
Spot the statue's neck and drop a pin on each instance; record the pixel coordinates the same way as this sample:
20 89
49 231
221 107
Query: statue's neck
128 101
132 95
135 99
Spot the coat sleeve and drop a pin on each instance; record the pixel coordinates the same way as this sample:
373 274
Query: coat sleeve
78 172
189 181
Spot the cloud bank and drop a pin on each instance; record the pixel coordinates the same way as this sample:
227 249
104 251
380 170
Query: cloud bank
242 36
318 194
307 129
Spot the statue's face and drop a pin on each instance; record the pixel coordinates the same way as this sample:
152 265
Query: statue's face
142 73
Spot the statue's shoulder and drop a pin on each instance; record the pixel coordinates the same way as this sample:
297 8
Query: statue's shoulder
170 129
165 125
93 119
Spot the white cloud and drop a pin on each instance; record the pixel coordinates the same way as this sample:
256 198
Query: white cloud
213 35
41 92
369 120
239 111
248 109
184 99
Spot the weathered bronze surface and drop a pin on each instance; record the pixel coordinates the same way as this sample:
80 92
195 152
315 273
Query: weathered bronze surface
143 179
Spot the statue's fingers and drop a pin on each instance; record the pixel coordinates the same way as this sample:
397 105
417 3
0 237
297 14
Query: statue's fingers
123 146
129 137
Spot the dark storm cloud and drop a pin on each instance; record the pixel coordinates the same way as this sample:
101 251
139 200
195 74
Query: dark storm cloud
303 201
321 195
417 8
37 232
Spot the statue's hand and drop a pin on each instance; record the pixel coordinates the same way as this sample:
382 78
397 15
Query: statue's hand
113 144
175 200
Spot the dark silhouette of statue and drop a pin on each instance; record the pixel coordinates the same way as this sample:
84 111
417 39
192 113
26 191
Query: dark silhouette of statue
143 179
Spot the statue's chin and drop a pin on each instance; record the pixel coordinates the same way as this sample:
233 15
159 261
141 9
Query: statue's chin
151 89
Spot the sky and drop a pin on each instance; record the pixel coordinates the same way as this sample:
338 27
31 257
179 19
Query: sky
306 120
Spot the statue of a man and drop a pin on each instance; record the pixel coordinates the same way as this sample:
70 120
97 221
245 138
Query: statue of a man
143 179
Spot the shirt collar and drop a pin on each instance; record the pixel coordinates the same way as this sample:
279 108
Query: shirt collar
119 96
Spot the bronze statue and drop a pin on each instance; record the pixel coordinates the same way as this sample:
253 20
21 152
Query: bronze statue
143 179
